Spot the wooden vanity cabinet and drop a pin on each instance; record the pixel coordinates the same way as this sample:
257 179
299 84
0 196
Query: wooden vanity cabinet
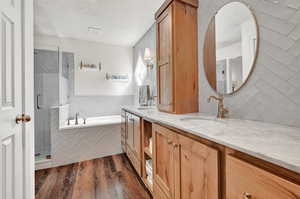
196 165
183 167
177 65
163 162
246 181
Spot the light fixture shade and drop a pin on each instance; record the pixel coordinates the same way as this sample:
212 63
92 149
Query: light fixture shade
147 55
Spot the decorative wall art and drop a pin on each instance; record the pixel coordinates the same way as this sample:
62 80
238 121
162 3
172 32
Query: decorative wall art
90 67
117 77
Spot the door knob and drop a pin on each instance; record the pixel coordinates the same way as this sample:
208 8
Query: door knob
247 195
23 119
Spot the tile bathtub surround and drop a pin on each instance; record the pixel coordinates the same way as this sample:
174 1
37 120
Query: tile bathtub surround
278 144
272 93
75 145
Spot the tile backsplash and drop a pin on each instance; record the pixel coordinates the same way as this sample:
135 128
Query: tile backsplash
272 93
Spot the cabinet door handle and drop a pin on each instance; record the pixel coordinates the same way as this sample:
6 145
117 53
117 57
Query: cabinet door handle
169 141
175 145
247 195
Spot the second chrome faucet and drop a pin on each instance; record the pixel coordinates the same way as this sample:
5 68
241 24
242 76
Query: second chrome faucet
222 111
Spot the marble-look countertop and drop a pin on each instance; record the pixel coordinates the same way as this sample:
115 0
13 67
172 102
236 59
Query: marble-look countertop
274 143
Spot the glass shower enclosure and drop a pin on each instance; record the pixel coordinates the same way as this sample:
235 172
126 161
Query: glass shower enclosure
46 91
52 70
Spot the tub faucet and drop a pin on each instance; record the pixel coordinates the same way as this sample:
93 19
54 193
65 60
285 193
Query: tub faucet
222 111
76 118
69 120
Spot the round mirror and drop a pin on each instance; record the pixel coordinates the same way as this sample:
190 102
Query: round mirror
230 48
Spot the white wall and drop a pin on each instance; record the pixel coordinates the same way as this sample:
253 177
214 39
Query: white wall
248 30
92 95
114 59
229 52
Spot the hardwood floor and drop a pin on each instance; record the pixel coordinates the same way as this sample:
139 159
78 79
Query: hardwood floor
105 178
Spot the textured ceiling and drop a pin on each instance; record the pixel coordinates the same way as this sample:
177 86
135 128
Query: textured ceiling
122 22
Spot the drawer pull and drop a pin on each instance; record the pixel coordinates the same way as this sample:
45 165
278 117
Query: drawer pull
247 195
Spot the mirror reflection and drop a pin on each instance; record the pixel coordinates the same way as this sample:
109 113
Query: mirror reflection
230 48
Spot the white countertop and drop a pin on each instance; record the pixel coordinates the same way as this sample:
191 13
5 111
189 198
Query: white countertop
274 143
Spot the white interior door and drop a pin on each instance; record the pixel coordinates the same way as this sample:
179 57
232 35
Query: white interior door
13 152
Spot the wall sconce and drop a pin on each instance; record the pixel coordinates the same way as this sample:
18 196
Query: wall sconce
148 58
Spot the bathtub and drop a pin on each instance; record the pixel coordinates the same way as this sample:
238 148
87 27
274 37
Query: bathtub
92 122
99 137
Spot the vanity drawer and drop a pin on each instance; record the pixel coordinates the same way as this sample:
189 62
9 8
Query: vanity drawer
245 181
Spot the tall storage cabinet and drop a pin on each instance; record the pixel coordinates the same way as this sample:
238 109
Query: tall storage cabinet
177 65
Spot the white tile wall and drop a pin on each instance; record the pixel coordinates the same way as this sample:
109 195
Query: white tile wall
74 145
273 91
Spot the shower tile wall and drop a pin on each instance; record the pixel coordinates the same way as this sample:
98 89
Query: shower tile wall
46 96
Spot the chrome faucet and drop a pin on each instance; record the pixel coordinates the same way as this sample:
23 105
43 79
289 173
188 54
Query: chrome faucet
222 111
76 118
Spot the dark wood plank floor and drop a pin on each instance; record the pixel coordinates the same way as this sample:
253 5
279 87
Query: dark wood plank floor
105 178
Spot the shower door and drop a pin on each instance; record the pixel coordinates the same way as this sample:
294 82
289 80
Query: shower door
46 93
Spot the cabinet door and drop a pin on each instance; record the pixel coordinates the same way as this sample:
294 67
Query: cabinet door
130 131
244 180
123 130
163 160
196 170
164 66
158 193
137 137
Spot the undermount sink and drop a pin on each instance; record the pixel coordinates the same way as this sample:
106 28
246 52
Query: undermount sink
198 118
